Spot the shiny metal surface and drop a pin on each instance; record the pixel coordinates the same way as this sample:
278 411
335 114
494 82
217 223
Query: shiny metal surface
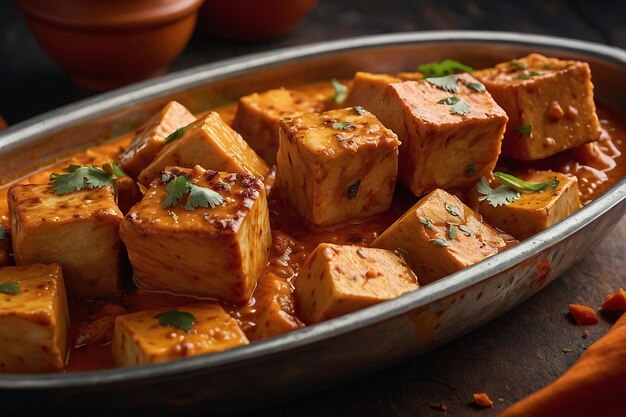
340 349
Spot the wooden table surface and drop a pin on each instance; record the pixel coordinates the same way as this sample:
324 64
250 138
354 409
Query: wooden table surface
508 358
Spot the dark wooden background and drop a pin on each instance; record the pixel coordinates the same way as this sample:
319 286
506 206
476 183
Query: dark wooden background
510 357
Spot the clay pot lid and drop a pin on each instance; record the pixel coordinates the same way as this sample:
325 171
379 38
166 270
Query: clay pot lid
109 14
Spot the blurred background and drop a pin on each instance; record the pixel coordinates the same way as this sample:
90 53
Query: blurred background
31 82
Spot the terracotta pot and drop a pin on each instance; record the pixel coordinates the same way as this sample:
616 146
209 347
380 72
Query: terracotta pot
109 43
252 19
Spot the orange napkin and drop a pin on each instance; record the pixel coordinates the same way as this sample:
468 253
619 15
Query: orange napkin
595 386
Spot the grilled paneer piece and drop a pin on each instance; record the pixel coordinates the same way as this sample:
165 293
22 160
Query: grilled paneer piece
150 140
440 235
78 230
549 103
34 319
337 166
152 336
535 211
258 116
449 138
210 143
339 279
368 90
214 252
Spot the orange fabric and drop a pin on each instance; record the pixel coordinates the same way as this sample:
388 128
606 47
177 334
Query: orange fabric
593 387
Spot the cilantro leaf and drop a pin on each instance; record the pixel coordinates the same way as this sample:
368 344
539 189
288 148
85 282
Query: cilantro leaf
527 74
467 230
499 196
9 287
343 125
512 181
426 222
113 168
524 129
461 107
359 110
439 242
470 170
341 91
449 100
518 65
353 189
445 67
452 231
447 83
79 177
3 233
204 197
178 319
453 210
175 135
175 190
476 86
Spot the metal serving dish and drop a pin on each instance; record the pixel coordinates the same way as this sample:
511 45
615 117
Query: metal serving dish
358 343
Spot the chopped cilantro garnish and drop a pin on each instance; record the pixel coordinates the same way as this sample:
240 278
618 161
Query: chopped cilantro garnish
113 168
353 189
461 107
447 83
518 65
449 100
439 242
178 319
198 196
9 287
343 125
452 231
512 181
426 222
476 86
445 67
453 210
527 74
79 177
524 129
499 196
470 170
175 134
467 230
359 110
341 91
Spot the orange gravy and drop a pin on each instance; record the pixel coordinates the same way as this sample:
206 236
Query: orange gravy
597 167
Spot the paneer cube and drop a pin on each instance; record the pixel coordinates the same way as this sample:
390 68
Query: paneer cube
368 90
536 211
210 143
339 279
337 166
258 116
211 252
275 308
34 319
79 230
549 103
448 139
440 235
140 338
151 139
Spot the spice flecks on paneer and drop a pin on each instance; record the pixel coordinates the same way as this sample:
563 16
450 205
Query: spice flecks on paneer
258 116
549 103
217 251
535 211
79 230
337 166
440 235
151 139
159 335
210 143
34 319
338 279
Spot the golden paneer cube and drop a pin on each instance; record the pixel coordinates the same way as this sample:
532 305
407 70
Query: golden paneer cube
210 143
440 235
151 139
217 251
535 211
368 90
337 166
258 116
160 335
34 319
79 230
339 279
449 139
549 103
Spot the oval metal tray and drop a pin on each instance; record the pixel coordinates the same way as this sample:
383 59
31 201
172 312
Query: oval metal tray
325 354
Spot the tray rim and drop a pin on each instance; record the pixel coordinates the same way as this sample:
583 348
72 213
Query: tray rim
48 123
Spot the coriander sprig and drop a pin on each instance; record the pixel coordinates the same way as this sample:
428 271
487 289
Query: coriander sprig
78 177
510 189
178 319
341 91
196 196
521 185
443 68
